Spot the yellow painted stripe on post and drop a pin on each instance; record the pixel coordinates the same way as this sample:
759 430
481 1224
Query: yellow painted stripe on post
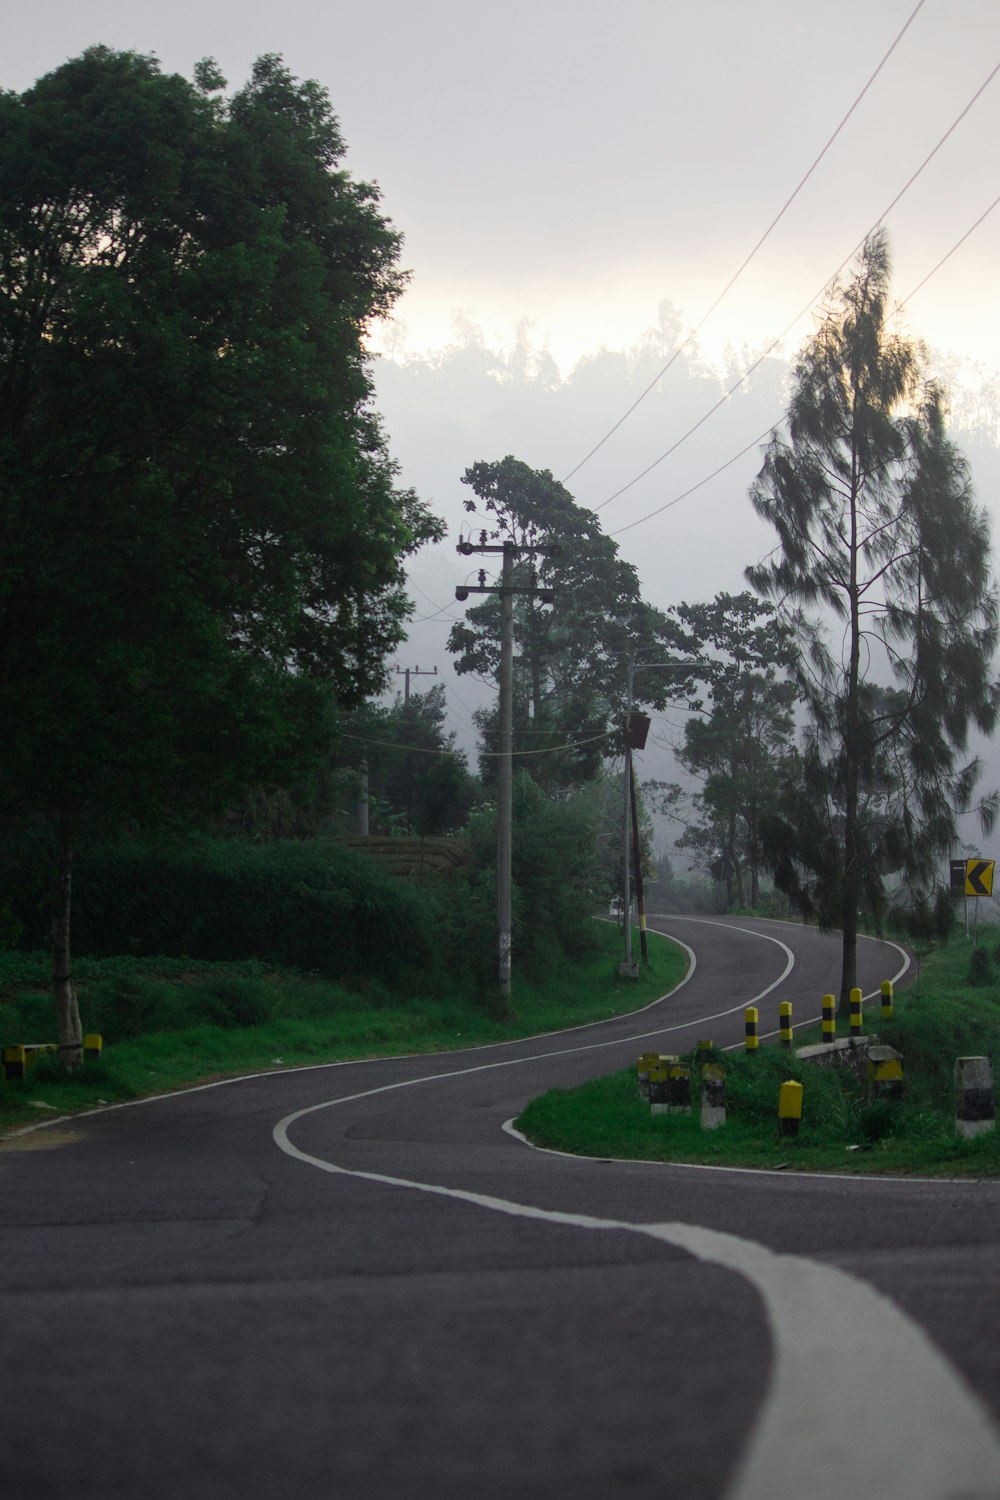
829 1018
856 1016
789 1108
15 1063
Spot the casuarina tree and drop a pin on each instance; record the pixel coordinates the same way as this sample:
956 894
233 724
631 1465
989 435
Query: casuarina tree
201 536
883 562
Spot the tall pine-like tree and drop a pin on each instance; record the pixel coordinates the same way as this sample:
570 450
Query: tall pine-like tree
883 552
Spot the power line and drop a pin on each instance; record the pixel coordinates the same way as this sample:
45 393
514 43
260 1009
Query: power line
766 434
485 754
708 477
747 259
958 243
812 300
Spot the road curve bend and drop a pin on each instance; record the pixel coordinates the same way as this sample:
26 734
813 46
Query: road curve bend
351 1280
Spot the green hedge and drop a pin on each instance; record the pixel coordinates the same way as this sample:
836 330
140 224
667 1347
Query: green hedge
314 906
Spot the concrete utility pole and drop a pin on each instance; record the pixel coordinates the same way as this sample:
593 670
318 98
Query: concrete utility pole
505 779
406 673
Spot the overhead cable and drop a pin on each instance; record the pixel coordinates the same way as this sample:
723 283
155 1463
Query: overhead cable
812 300
765 435
739 271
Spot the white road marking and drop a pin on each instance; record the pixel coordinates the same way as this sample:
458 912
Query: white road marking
859 1402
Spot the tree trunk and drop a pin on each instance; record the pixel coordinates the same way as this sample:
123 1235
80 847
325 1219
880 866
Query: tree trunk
851 888
735 865
67 1010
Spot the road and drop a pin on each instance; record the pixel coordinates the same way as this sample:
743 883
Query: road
352 1281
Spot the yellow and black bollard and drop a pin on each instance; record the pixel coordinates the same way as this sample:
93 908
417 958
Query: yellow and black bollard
856 1014
789 1108
646 1061
885 1073
829 1018
785 1022
752 1028
15 1062
93 1044
887 999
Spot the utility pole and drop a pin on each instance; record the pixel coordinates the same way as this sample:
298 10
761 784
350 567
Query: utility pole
406 673
505 778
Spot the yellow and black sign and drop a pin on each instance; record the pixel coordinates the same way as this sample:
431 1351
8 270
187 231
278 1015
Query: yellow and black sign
979 877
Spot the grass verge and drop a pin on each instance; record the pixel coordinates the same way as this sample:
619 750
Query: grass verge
842 1129
172 1022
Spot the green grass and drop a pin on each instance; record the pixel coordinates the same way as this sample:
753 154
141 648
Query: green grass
841 1130
168 1023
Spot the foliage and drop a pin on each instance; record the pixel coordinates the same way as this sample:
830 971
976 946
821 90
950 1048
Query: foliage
201 533
554 876
980 968
570 658
312 905
741 748
417 781
877 528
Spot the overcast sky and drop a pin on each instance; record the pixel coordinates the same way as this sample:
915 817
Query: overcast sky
577 164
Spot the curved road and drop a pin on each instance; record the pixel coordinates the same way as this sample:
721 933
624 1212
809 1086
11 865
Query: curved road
351 1281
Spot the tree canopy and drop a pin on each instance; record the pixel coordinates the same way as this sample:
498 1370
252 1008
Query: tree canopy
740 747
570 658
201 536
879 533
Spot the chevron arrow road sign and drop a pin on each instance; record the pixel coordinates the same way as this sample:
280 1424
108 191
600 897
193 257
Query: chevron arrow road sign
979 877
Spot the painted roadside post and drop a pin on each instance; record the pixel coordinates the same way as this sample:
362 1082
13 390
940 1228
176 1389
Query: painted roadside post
713 1096
678 1090
856 1015
15 1062
19 1060
885 1073
93 1045
658 1074
829 1018
887 998
752 1028
975 1112
646 1061
789 1108
785 1022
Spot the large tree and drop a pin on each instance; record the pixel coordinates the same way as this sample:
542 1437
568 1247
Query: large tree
570 658
883 550
740 747
200 531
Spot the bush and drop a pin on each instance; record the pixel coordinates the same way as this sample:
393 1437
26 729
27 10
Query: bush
314 906
980 967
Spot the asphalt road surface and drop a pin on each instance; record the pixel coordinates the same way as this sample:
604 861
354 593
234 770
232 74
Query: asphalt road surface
354 1282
